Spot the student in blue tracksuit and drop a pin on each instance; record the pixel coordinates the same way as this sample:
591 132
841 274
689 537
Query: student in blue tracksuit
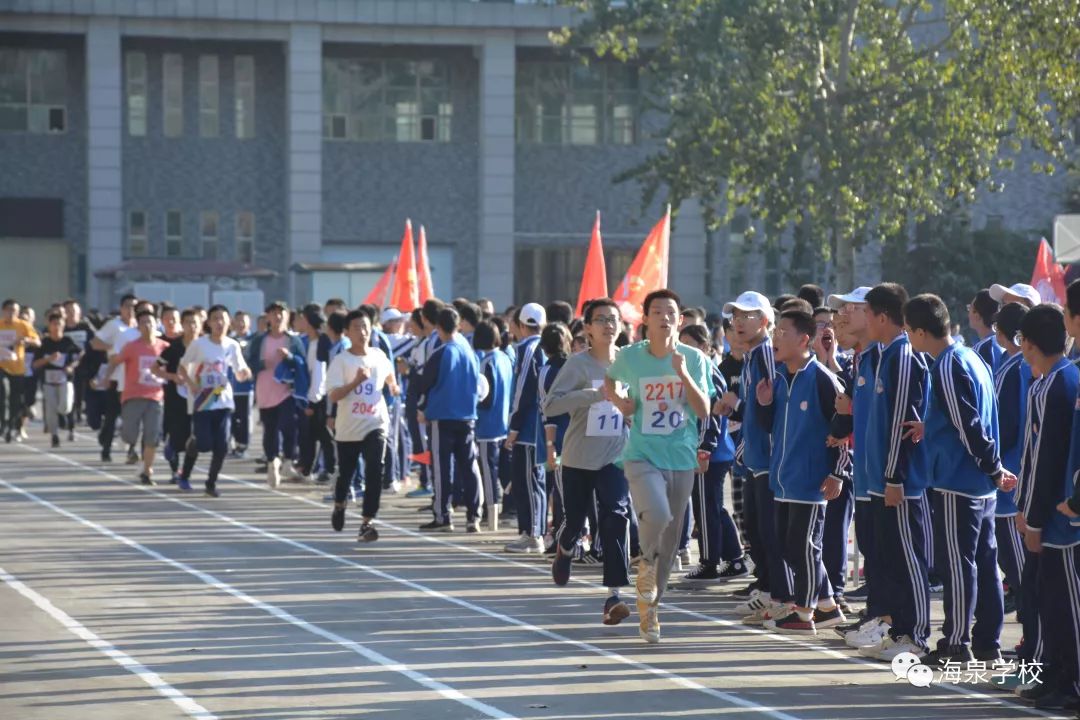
981 312
805 471
449 391
555 343
526 438
719 548
896 474
962 443
1011 382
493 414
752 317
1050 462
241 419
1071 507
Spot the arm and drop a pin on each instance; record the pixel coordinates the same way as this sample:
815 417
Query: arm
958 391
905 386
828 388
697 388
429 376
525 389
571 390
1051 465
1007 390
489 375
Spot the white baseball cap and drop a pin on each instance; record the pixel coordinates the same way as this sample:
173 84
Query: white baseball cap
390 315
751 301
533 315
1020 290
857 296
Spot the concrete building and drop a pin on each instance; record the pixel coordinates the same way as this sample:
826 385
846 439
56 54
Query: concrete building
244 150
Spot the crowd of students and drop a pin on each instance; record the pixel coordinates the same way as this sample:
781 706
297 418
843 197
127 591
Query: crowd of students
613 445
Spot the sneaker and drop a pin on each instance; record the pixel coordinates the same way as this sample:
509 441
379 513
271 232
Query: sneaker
273 473
949 654
791 624
771 614
829 618
550 548
55 440
676 564
132 457
684 557
472 526
734 569
183 484
991 657
145 479
842 603
890 647
525 544
744 593
645 584
936 584
420 492
324 477
212 491
297 476
337 517
1010 602
615 610
1056 700
71 435
106 456
858 594
436 526
869 635
367 533
703 574
649 627
587 557
1036 691
757 600
23 435
635 560
560 566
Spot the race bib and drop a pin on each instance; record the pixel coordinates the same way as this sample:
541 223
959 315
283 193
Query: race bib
213 376
662 405
146 377
77 336
55 377
365 399
604 420
8 338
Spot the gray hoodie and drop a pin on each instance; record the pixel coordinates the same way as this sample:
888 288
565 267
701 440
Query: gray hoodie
578 389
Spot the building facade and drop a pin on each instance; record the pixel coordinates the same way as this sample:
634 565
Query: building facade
244 150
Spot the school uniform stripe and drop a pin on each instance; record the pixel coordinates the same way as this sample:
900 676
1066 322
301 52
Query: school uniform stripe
952 402
922 619
436 471
896 430
1072 584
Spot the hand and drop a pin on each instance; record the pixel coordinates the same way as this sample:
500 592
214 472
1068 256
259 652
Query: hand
678 363
1064 509
915 430
55 357
626 405
421 418
285 354
508 444
362 376
843 404
894 495
835 442
720 408
1033 541
1021 523
702 461
309 411
331 422
831 488
1007 481
551 457
731 400
764 392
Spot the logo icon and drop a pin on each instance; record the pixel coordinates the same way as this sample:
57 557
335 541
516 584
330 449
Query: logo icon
908 666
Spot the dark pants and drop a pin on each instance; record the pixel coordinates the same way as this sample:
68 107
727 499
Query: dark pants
902 551
1059 609
612 497
178 430
1034 647
453 462
12 398
373 450
241 421
555 499
865 536
759 506
529 490
1010 551
279 429
717 537
315 435
95 408
212 436
802 526
490 452
419 442
967 558
110 411
30 391
834 541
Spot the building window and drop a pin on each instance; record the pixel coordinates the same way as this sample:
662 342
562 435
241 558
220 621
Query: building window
136 93
172 70
33 90
572 104
386 100
174 234
208 232
209 96
137 235
245 237
244 77
547 273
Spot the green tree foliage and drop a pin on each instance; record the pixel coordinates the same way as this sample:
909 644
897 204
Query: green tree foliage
847 118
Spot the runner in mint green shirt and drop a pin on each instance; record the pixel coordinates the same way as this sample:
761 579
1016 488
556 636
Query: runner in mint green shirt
667 386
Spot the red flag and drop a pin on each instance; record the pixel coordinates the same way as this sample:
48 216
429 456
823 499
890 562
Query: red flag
1048 277
594 279
427 291
406 294
648 272
377 296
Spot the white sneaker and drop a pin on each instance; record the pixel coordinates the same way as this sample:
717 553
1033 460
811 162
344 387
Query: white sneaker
525 544
645 583
757 601
888 648
869 635
676 564
684 557
273 472
649 625
775 611
298 477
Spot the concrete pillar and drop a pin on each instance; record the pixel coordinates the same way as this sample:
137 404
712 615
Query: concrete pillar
304 127
686 267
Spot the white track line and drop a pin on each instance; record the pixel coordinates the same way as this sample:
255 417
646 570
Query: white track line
106 648
507 619
440 688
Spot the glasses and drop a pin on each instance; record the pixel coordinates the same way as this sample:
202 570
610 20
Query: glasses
605 320
824 325
851 308
746 316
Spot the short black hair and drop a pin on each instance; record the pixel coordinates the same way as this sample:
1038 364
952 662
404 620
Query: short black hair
555 340
1072 297
661 294
486 336
1009 317
823 309
802 320
1044 327
213 309
888 299
697 333
430 310
314 317
336 322
277 305
593 305
812 294
417 315
370 310
187 313
799 304
142 313
448 319
985 306
928 312
559 311
127 296
697 313
9 302
470 313
355 315
336 302
780 300
54 315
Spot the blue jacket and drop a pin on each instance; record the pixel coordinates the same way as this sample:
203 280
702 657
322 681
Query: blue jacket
900 393
862 398
757 444
1049 470
493 412
253 353
1011 383
800 417
450 383
248 386
715 438
961 431
990 351
561 422
525 407
294 372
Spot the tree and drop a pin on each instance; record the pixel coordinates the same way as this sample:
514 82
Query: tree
848 119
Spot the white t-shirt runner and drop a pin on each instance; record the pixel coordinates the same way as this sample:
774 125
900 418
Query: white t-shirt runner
208 364
364 410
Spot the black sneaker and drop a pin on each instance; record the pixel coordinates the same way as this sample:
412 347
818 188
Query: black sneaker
436 526
71 435
1056 700
1039 691
368 533
106 456
551 549
734 569
704 573
745 592
842 603
615 610
936 584
145 479
337 517
472 527
212 491
829 618
1010 602
959 654
991 657
592 557
324 477
560 566
860 593
132 457
55 441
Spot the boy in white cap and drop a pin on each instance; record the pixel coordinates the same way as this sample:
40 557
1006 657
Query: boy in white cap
1020 292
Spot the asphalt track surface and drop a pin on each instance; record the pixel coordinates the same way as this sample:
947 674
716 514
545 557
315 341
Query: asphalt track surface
119 601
